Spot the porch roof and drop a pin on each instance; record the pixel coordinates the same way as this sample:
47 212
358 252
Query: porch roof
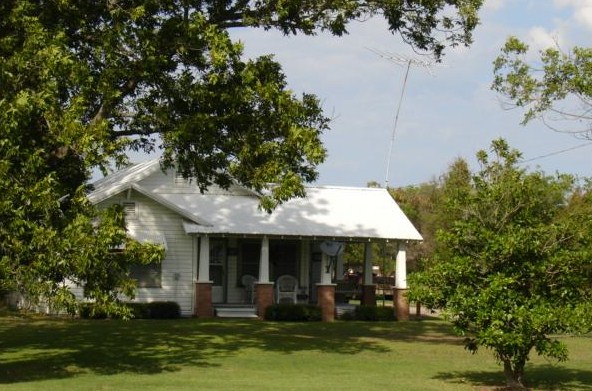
334 212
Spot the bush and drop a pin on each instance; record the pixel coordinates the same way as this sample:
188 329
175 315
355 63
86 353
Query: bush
293 313
139 310
91 311
154 310
370 313
164 310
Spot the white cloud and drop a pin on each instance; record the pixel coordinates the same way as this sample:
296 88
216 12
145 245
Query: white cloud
539 38
582 10
495 4
584 16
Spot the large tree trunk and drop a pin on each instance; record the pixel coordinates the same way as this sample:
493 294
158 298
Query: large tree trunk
513 375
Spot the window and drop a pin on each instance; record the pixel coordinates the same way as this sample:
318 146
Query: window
217 261
147 276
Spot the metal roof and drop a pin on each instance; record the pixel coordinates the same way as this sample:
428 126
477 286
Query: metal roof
326 211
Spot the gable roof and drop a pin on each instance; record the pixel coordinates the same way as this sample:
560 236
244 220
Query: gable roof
325 212
122 180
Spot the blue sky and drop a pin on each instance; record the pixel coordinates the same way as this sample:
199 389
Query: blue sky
448 113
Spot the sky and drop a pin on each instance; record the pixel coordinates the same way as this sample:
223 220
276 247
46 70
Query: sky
445 113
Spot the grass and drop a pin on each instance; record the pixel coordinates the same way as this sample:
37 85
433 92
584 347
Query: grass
190 354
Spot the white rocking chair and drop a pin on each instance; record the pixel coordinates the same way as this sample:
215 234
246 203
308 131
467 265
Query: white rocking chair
286 289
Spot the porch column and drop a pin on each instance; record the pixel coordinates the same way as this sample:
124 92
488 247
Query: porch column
264 261
264 288
400 301
368 288
203 286
326 291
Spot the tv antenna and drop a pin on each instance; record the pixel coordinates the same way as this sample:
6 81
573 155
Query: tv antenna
406 62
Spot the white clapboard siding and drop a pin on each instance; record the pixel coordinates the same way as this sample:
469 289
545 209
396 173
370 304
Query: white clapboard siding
177 271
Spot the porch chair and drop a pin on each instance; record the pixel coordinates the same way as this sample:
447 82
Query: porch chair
248 282
286 289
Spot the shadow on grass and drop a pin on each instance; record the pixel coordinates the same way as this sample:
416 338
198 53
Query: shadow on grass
537 377
51 349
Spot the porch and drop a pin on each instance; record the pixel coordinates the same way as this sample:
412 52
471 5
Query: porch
236 275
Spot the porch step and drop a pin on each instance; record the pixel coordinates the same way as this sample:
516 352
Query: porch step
236 312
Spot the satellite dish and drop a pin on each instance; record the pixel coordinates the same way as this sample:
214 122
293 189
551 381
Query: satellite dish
331 248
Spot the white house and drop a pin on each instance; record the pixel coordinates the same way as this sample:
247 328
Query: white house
219 241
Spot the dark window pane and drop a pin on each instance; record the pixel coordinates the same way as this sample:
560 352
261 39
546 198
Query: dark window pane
147 276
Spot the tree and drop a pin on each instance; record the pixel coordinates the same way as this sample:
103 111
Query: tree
50 240
423 205
84 82
559 88
132 70
515 267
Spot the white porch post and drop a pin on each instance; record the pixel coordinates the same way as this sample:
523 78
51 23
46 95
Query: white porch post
204 259
203 307
264 261
400 301
264 288
401 267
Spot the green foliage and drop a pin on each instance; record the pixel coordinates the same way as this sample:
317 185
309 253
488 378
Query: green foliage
429 209
370 313
82 83
153 310
515 267
549 88
293 313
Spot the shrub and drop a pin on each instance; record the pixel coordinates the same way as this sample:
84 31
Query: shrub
91 311
164 310
154 310
370 313
139 310
293 313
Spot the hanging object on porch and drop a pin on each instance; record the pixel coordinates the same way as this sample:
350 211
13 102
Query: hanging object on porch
332 249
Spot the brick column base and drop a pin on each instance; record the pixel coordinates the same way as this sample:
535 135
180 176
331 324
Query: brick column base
368 295
401 304
203 300
326 300
263 297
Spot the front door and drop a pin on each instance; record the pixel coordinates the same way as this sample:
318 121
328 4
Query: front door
218 269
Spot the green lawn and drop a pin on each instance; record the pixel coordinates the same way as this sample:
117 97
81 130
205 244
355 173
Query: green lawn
189 354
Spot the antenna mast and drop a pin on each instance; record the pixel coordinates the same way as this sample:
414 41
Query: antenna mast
407 62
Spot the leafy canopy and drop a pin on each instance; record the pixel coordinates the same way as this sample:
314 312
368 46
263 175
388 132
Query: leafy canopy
515 267
555 89
84 82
